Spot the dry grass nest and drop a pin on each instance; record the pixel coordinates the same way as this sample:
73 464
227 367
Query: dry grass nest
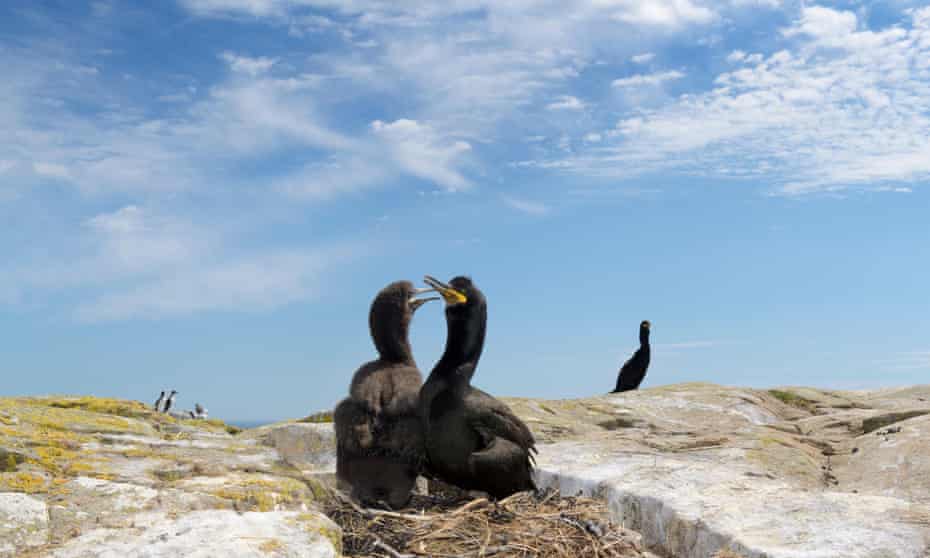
448 523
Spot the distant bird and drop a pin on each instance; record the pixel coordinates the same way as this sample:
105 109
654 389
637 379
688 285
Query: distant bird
159 401
199 411
379 446
634 370
473 440
169 401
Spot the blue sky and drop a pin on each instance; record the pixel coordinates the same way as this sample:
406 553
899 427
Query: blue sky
206 194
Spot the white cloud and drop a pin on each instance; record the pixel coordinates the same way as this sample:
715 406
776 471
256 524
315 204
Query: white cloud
838 108
824 24
566 102
51 170
526 206
258 282
639 80
248 65
330 179
643 58
671 13
593 137
419 150
138 262
736 56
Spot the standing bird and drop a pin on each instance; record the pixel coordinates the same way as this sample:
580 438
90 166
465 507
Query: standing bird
170 401
473 440
634 370
158 401
379 441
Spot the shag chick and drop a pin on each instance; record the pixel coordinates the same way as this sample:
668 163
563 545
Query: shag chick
473 440
634 370
159 401
379 444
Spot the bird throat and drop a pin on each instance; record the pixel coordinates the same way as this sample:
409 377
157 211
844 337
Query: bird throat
391 339
464 343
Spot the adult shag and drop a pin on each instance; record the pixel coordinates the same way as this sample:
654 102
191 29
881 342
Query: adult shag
634 370
473 440
379 444
169 401
159 401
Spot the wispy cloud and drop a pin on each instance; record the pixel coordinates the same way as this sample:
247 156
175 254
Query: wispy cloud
526 206
657 78
141 263
910 360
816 116
690 345
566 102
643 58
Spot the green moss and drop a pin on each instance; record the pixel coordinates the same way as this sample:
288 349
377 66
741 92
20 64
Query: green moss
10 460
320 417
793 399
170 475
105 406
880 421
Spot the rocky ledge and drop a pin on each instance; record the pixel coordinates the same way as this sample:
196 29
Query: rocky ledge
699 470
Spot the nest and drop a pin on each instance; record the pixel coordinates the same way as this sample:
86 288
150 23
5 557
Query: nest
449 524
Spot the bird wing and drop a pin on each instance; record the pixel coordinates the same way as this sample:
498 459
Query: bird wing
492 419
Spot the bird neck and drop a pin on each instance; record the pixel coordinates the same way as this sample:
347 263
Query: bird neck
644 338
464 343
391 340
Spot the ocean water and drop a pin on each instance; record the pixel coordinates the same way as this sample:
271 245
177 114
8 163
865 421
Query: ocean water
244 424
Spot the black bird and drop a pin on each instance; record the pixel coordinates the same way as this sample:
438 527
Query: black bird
634 370
379 442
473 440
169 401
159 401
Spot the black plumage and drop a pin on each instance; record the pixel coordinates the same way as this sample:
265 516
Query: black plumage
634 370
379 445
169 402
473 440
158 401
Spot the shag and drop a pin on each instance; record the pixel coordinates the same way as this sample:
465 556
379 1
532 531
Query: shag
473 440
379 444
634 370
169 401
158 401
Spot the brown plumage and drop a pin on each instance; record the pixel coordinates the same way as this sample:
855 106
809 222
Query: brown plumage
379 443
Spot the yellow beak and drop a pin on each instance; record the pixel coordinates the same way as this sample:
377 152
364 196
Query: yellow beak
450 295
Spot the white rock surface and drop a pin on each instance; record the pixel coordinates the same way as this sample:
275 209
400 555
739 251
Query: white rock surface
23 523
693 508
699 468
209 534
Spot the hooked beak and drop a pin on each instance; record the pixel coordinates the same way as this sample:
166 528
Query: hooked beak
415 302
451 296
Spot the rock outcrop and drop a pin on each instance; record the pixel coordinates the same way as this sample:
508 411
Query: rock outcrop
700 470
88 477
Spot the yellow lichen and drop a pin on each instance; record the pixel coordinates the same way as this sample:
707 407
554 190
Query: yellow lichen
315 524
271 546
29 483
266 494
